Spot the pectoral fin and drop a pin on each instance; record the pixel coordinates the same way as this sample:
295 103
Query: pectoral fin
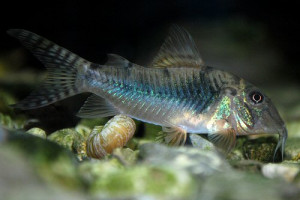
97 107
225 141
173 136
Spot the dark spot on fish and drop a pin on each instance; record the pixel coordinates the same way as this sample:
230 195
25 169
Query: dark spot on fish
38 42
129 65
49 46
207 69
236 79
94 66
59 51
74 60
28 36
231 91
67 55
166 72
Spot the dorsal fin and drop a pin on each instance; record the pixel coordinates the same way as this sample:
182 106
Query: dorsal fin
178 50
117 61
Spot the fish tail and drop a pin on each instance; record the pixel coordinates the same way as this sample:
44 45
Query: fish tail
62 66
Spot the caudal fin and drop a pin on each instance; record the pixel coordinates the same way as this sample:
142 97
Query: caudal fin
62 68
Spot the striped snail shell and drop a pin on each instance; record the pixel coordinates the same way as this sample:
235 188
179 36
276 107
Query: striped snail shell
115 133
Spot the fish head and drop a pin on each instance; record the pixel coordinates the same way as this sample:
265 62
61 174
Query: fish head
254 113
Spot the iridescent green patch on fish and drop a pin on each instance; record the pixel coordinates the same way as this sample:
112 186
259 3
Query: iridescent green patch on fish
177 91
244 116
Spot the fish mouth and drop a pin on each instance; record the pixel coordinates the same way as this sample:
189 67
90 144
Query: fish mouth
283 134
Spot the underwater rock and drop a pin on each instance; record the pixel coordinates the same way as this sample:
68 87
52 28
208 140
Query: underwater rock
292 149
261 149
192 160
288 172
53 163
116 133
20 178
240 185
3 134
8 122
109 179
126 156
150 131
71 140
294 128
201 143
37 132
236 154
83 130
5 100
252 166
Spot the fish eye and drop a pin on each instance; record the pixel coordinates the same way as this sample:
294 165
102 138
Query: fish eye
256 97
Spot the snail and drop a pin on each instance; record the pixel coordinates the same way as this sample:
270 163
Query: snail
115 133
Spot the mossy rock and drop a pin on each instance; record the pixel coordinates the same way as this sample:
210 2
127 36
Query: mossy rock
37 132
151 131
126 156
108 178
5 101
245 185
12 122
71 140
261 149
53 163
294 128
292 149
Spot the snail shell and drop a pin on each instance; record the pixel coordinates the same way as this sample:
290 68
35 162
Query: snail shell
116 133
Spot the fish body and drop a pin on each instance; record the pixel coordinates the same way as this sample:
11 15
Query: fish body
177 91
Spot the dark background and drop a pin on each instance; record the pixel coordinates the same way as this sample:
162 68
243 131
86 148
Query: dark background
136 29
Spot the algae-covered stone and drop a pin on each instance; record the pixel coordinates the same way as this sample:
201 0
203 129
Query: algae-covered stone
292 149
3 134
294 128
248 186
10 123
84 131
90 171
199 142
192 160
251 166
261 149
109 179
20 178
237 152
54 164
64 137
6 99
72 140
37 132
133 143
286 171
126 156
151 131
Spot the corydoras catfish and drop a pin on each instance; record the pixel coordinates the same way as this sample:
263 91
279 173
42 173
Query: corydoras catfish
177 91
